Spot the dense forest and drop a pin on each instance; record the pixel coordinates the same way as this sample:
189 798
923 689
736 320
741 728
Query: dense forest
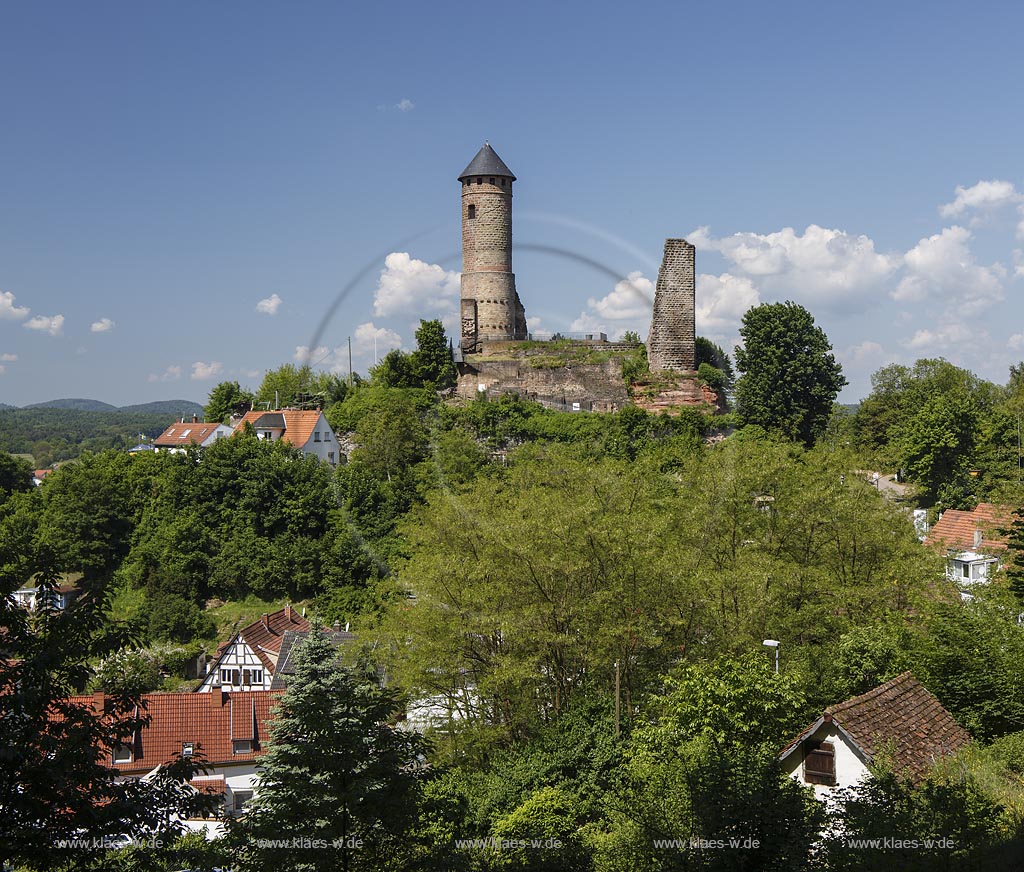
515 565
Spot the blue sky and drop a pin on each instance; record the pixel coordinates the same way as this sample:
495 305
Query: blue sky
186 188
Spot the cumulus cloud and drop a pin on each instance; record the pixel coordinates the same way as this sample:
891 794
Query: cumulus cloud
409 285
631 299
1016 342
269 305
101 326
943 266
821 265
7 308
369 337
172 373
984 196
722 301
52 325
202 371
942 337
8 358
405 105
587 323
865 351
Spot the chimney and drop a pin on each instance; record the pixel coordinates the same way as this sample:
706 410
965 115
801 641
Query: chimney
288 612
216 695
337 627
195 418
98 699
266 623
977 539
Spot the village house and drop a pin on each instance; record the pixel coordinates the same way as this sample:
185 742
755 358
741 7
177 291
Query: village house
181 434
226 731
248 660
31 597
899 722
307 430
972 541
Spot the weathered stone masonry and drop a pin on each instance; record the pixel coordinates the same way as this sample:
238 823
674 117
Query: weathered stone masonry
672 342
490 307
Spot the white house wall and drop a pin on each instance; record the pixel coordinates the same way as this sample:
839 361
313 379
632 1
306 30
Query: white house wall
850 769
238 656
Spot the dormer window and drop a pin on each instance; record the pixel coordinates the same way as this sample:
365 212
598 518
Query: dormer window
188 749
122 754
241 746
471 214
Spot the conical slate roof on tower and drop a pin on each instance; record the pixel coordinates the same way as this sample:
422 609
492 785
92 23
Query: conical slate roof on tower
487 163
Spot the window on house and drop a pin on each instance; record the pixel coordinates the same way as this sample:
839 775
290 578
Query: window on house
225 676
820 763
241 746
503 183
122 754
471 212
316 436
965 569
239 800
327 435
188 749
479 181
330 457
491 181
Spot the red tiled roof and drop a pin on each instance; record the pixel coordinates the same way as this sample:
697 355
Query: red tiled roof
299 424
265 639
212 784
41 473
206 720
900 718
186 433
955 529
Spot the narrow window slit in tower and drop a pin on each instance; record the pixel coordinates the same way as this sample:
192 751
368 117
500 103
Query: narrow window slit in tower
472 212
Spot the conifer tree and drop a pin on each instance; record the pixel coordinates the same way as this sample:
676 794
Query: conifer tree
337 786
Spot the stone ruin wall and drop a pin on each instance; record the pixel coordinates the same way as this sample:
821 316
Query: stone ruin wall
672 342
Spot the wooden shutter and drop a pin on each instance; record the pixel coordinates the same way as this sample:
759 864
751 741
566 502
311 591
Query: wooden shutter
819 763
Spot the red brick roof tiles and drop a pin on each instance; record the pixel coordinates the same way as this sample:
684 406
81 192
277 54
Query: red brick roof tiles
265 638
955 529
206 720
900 718
298 424
186 433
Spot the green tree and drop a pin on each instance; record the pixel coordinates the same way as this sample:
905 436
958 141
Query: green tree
790 379
432 362
15 475
395 370
335 772
227 398
714 355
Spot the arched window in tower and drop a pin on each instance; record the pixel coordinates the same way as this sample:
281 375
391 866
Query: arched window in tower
472 212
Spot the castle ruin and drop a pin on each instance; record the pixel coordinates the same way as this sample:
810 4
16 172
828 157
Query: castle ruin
671 345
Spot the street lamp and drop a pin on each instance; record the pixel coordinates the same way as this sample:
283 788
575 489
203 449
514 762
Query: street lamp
773 643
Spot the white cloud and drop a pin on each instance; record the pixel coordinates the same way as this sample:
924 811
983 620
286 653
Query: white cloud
631 299
405 105
722 301
407 285
202 371
8 358
172 373
942 266
866 351
941 338
587 323
1016 342
269 305
52 325
8 309
533 323
369 337
822 265
983 196
101 326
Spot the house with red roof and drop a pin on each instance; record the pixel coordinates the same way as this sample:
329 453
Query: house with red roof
899 722
182 434
248 660
307 430
227 732
972 541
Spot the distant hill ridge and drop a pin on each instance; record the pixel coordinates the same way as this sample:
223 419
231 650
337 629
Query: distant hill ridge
157 407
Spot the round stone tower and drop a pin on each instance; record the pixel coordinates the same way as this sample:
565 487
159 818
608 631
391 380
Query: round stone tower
490 307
